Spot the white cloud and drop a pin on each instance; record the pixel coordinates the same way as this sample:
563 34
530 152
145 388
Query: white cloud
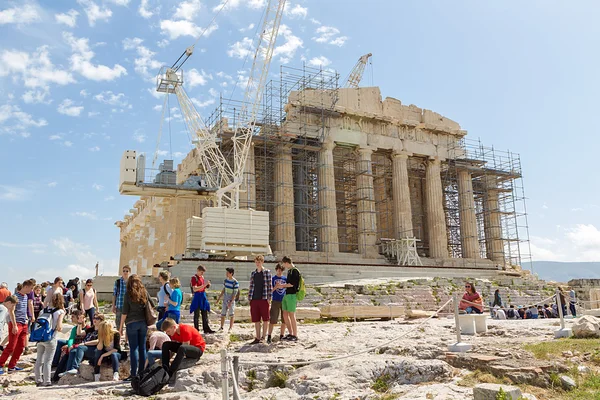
213 92
85 214
13 193
94 12
233 4
175 29
67 107
94 149
123 3
144 11
69 18
249 28
13 121
52 184
188 10
139 136
339 41
162 43
97 187
109 198
55 137
195 78
145 62
241 49
327 34
291 45
131 43
67 143
82 57
297 11
37 96
580 242
157 108
113 99
35 70
19 15
202 104
320 61
93 113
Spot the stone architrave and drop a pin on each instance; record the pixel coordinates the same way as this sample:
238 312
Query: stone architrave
367 221
492 221
327 204
468 220
401 193
284 223
434 203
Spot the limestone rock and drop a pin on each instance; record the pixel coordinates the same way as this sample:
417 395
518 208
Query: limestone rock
582 369
86 371
567 382
586 326
488 391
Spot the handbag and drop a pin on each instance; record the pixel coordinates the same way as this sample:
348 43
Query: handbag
150 313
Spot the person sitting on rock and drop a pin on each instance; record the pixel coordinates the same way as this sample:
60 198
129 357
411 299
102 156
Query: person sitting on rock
541 312
155 342
511 313
108 348
500 313
61 355
187 344
87 349
532 313
472 302
522 313
548 311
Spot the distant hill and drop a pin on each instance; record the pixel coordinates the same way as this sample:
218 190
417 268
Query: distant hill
565 271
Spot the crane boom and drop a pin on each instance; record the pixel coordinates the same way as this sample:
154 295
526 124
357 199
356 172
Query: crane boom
357 72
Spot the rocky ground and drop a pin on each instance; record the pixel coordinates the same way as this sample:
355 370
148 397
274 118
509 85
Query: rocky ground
411 363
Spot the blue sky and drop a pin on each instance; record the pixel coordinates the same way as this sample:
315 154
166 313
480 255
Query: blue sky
77 84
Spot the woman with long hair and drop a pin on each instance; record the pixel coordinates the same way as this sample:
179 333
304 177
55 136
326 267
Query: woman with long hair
134 318
109 347
471 296
46 350
88 299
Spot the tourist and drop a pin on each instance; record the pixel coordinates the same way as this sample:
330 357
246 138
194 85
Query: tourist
541 312
532 313
119 289
17 329
563 302
290 300
4 292
86 350
511 313
165 290
472 302
522 313
259 295
38 303
497 299
276 313
88 299
7 311
187 344
134 319
55 289
500 313
549 311
45 286
30 311
231 289
109 347
174 301
155 342
45 350
573 302
75 284
63 347
200 304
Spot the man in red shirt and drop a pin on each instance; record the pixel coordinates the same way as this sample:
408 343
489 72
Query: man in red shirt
4 292
187 344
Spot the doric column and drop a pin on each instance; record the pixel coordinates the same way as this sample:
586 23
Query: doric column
402 207
492 222
468 221
327 206
248 186
436 219
285 234
367 222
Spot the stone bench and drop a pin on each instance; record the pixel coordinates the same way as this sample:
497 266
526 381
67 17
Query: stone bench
470 324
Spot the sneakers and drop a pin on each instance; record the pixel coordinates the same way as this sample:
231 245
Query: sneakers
96 377
255 341
69 372
281 337
128 379
293 338
116 376
269 339
15 369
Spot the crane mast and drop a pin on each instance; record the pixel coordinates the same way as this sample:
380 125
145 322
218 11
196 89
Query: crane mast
357 72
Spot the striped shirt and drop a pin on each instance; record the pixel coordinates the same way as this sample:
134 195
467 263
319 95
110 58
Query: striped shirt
21 308
231 286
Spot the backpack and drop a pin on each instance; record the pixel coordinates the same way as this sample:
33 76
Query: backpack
151 381
42 330
510 313
301 293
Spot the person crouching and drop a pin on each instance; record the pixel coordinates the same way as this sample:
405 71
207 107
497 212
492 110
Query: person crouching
187 344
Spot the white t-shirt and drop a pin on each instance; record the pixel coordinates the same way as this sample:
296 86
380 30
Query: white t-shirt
57 316
4 315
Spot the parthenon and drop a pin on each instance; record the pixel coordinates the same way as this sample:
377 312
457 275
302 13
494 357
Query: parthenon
342 172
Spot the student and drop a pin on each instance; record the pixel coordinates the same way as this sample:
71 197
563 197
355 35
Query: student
511 313
85 350
186 342
63 347
231 287
531 313
134 319
174 302
548 311
541 312
68 295
37 301
290 301
522 313
45 350
276 313
55 289
17 329
200 304
155 343
7 309
109 347
4 292
573 302
471 296
88 299
119 289
165 289
259 295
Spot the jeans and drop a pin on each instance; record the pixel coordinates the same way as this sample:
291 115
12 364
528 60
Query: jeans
173 314
43 362
16 345
114 359
473 310
90 313
573 310
136 335
191 354
161 313
153 355
77 354
57 353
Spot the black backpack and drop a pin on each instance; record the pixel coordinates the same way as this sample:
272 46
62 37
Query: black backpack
151 381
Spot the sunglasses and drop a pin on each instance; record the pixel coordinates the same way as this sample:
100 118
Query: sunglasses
89 284
468 287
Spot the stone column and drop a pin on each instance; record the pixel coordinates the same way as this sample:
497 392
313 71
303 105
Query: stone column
434 204
401 190
248 186
468 221
492 222
367 222
285 233
327 206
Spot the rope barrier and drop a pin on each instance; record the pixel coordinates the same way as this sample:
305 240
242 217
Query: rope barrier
523 306
347 355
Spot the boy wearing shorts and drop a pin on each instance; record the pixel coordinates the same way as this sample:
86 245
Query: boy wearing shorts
229 293
289 300
276 310
259 295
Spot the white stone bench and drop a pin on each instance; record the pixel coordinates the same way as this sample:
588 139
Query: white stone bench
470 324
